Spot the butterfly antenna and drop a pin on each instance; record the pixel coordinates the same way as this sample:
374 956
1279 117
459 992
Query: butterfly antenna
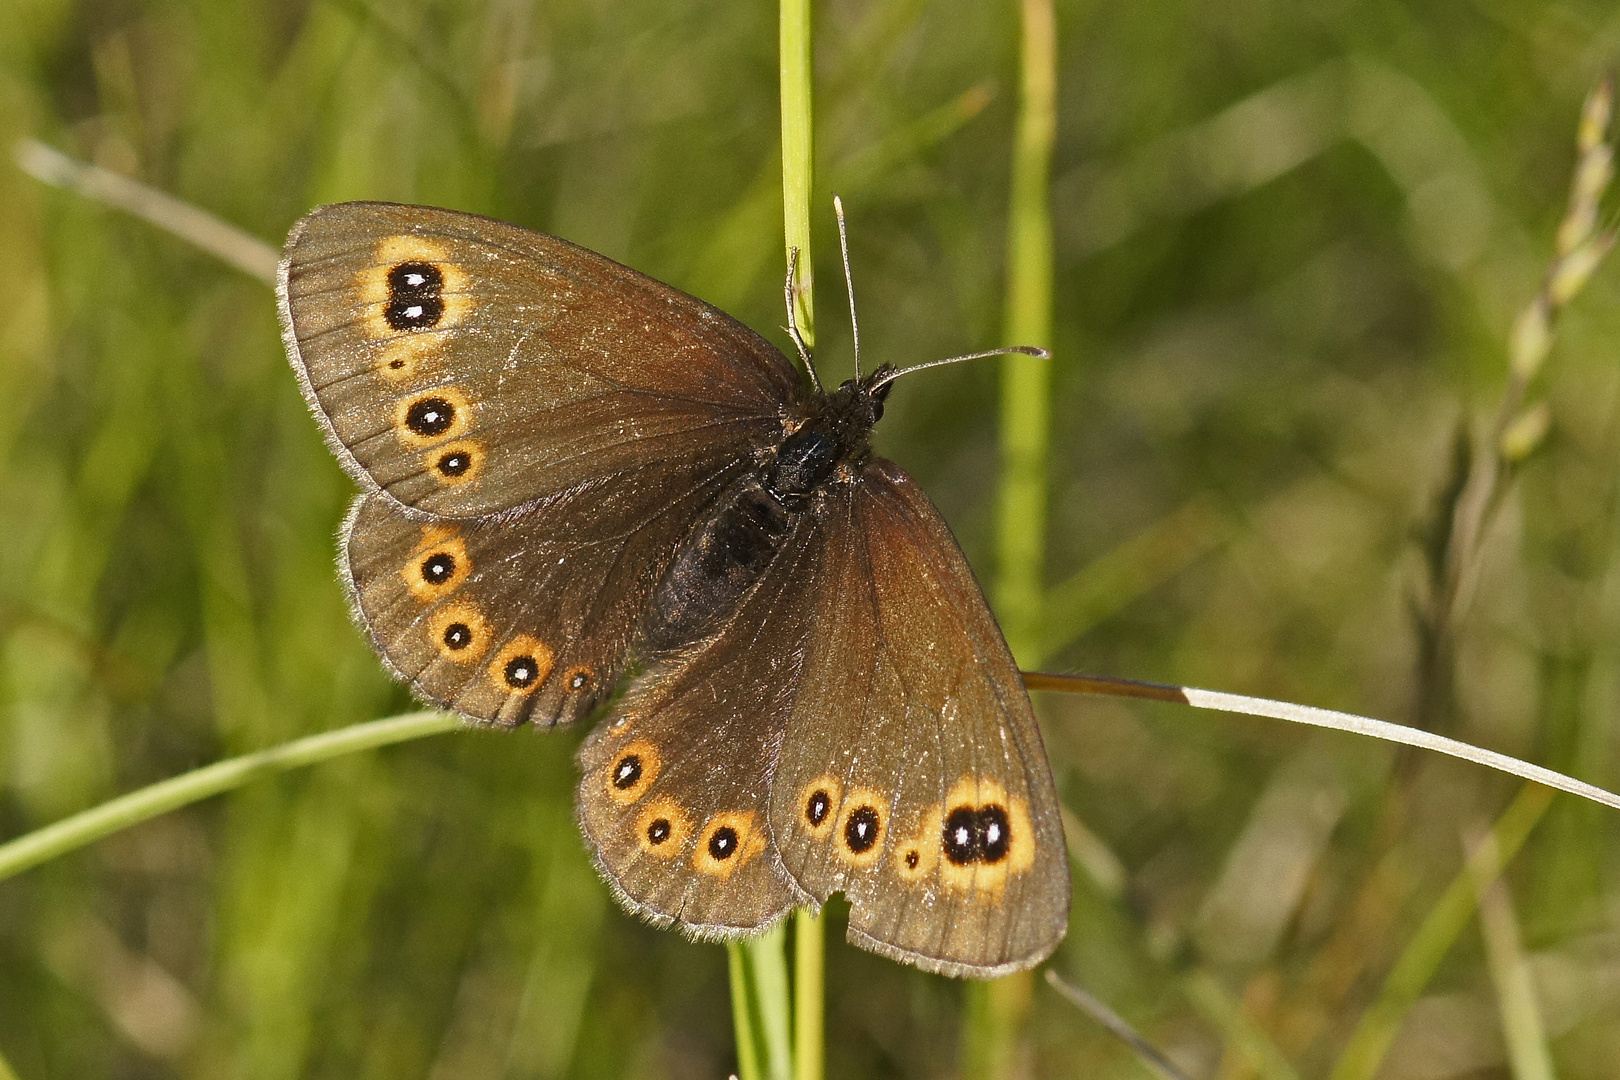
849 283
793 319
1022 350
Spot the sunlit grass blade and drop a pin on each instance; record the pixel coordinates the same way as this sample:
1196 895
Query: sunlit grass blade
1326 718
247 253
69 834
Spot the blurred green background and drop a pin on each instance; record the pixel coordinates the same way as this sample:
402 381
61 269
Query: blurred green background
1291 242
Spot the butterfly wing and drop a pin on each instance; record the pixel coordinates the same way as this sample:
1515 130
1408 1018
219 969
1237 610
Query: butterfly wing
913 778
859 704
464 366
674 787
529 615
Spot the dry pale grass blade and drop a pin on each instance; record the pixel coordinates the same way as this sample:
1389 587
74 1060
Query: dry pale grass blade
1324 718
247 253
1117 1026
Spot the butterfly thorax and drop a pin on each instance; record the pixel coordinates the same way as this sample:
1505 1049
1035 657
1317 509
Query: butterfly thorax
755 515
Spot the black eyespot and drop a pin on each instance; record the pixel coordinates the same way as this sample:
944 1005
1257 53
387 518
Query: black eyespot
861 829
455 463
438 567
430 417
815 811
994 837
723 843
911 859
579 679
521 671
457 636
396 364
627 772
659 829
961 835
413 296
415 279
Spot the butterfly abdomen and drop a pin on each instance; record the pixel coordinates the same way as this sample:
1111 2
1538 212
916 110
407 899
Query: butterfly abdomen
718 564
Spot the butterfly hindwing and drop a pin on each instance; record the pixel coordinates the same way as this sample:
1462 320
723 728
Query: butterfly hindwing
528 616
674 787
465 366
917 784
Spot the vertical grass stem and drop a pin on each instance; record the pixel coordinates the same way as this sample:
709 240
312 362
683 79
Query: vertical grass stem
997 1010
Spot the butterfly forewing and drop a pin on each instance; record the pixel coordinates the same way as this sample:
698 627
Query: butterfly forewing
465 366
916 783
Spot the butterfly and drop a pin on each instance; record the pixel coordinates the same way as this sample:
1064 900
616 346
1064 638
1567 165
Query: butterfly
576 477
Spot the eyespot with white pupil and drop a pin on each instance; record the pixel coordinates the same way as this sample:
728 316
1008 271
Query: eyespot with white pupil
521 672
659 831
817 808
577 680
457 636
627 772
982 835
430 417
455 463
961 836
861 829
438 568
414 296
723 843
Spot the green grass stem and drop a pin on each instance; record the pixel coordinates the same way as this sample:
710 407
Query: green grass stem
742 1012
768 981
1523 1029
997 1009
1415 967
809 995
798 175
71 833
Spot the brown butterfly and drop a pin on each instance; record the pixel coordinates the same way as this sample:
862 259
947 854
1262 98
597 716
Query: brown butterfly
571 470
